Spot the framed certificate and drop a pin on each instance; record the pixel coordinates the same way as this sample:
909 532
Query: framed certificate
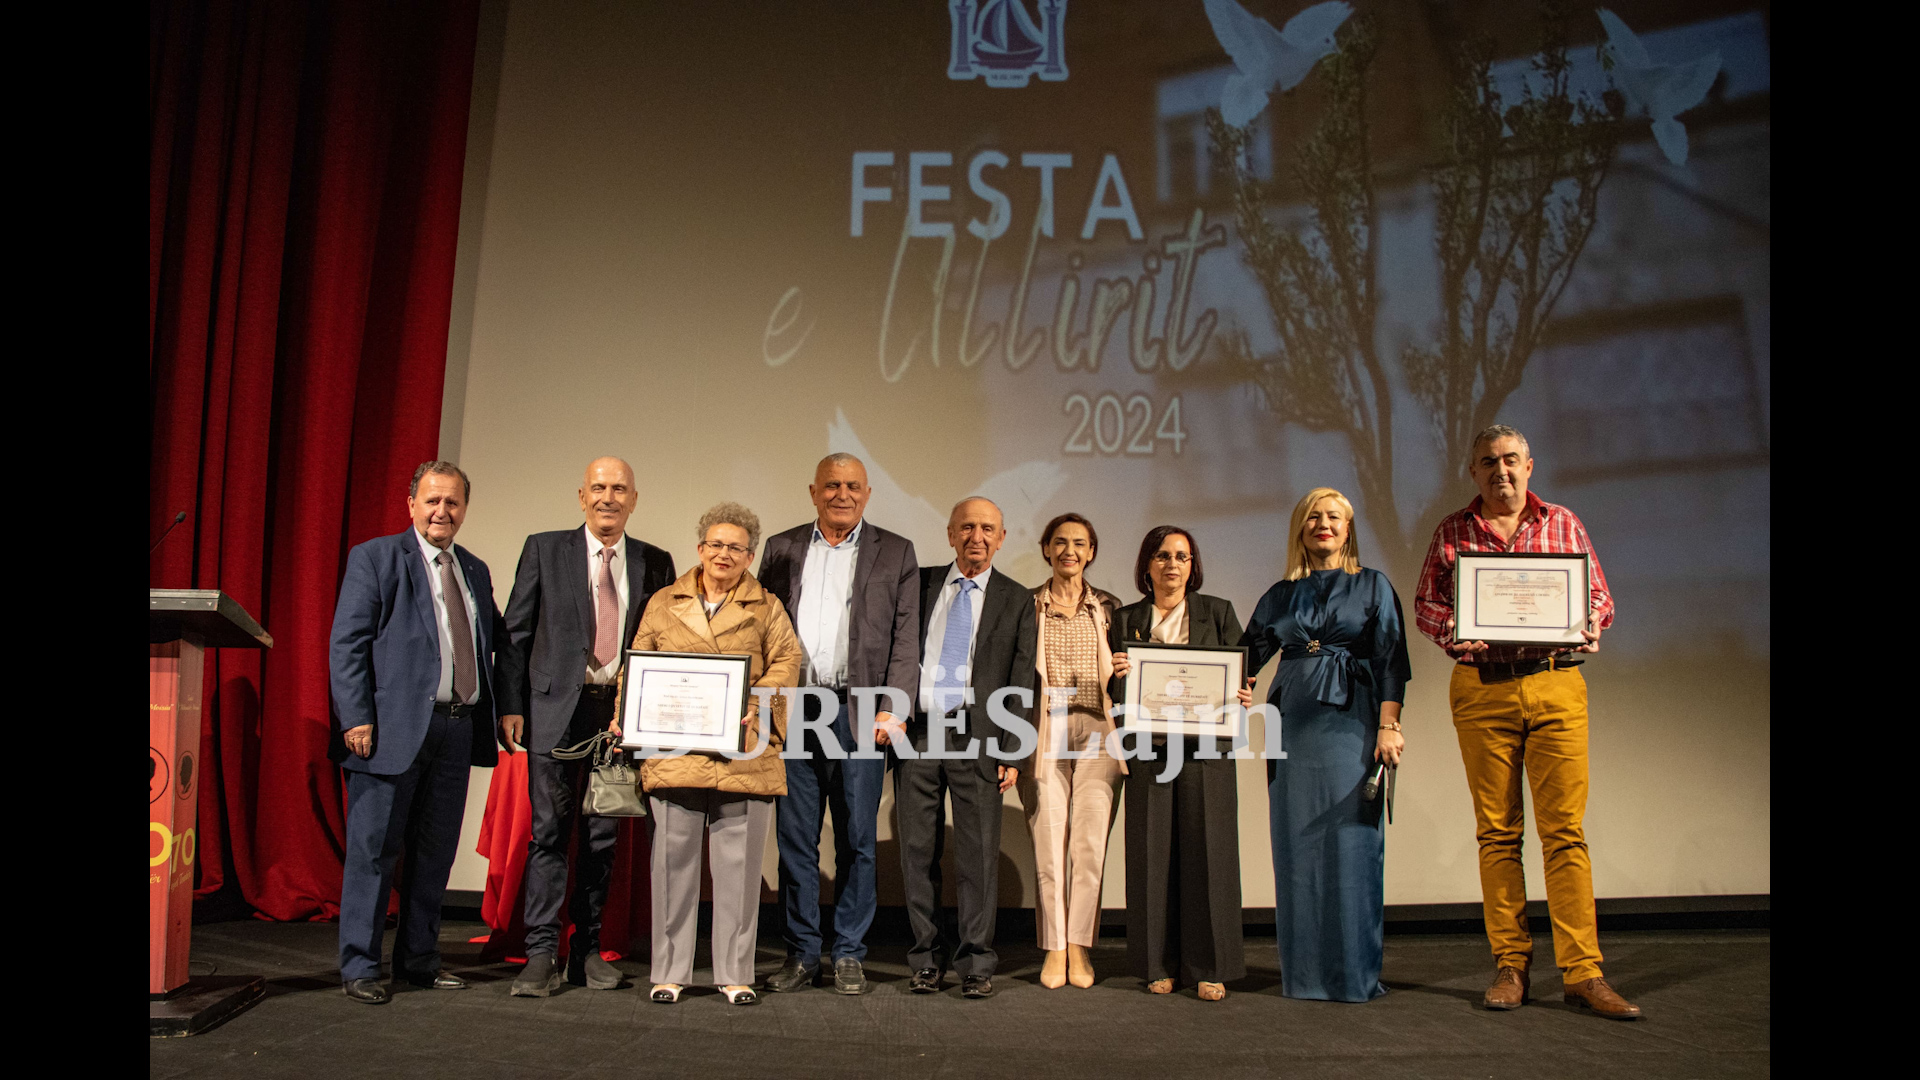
1185 690
684 701
1520 598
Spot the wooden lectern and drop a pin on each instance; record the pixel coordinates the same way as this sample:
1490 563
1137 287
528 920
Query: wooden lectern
181 625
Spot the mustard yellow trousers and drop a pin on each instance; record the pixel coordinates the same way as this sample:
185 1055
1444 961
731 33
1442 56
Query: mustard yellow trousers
1536 724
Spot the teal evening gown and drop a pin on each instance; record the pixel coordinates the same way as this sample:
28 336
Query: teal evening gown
1343 650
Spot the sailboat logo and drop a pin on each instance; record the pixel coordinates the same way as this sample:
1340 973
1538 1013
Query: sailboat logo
1000 40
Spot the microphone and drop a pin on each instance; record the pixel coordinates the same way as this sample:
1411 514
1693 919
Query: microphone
177 519
1375 782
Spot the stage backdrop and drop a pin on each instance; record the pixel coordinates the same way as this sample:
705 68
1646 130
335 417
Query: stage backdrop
994 248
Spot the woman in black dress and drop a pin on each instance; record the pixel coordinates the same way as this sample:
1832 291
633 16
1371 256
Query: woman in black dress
1183 838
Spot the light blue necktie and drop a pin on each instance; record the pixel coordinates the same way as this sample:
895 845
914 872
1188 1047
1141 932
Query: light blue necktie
949 689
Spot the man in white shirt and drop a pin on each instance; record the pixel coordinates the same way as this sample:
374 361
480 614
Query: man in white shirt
853 589
577 597
977 638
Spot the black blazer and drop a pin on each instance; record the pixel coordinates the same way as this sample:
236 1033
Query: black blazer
383 657
1210 623
550 626
1003 649
883 638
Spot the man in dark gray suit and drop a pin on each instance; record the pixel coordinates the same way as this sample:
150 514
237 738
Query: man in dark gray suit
853 592
977 633
577 597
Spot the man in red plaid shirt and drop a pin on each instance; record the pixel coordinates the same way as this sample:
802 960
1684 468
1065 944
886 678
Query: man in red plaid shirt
1523 709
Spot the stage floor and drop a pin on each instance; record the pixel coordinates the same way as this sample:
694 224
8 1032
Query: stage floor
1706 996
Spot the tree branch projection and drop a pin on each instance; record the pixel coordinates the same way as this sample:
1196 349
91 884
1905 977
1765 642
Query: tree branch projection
1514 193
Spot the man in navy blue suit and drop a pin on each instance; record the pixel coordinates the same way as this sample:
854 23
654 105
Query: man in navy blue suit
412 674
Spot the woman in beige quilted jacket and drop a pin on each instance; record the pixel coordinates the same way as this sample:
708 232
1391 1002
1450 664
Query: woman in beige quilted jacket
717 607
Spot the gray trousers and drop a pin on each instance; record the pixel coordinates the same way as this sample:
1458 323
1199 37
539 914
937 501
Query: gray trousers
737 828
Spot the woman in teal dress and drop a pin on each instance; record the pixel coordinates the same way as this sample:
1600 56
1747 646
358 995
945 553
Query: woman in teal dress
1343 673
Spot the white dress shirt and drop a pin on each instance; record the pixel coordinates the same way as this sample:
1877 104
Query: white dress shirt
937 632
604 676
444 693
825 620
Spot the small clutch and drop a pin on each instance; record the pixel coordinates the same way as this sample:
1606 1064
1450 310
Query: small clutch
613 785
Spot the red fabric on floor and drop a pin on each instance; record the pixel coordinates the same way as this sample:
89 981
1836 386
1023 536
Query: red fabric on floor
625 925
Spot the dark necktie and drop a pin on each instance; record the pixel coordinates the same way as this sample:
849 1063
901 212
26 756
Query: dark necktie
465 671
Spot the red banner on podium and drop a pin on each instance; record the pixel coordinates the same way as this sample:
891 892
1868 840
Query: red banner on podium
173 724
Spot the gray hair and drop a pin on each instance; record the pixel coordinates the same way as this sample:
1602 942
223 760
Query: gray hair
444 468
730 513
840 457
1497 431
977 498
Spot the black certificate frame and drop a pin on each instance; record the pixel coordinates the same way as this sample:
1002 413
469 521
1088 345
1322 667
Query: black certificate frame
1233 657
1467 624
738 667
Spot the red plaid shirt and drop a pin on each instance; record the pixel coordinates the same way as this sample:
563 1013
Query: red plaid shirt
1543 527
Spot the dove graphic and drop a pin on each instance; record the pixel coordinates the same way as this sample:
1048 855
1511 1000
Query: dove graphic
1267 58
1664 90
1021 493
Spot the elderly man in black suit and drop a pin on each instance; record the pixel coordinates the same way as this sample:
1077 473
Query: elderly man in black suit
853 592
977 636
577 597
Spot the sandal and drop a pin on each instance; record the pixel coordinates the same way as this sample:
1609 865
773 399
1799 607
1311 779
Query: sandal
666 993
1212 991
1160 986
740 995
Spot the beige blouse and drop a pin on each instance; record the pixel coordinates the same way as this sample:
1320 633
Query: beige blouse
1172 628
1073 657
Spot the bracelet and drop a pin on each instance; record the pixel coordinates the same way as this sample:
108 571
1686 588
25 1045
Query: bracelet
1395 726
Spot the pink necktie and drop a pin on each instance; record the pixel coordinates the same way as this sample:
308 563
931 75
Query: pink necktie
606 635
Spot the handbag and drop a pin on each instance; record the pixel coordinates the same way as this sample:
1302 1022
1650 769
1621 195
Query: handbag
613 785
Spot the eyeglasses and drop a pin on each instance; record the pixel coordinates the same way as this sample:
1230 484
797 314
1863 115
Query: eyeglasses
1165 557
717 547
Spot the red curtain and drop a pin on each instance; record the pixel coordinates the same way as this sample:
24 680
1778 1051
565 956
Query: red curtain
305 165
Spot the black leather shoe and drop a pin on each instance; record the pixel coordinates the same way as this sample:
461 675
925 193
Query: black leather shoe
439 980
926 980
976 986
793 975
371 991
849 977
591 970
540 978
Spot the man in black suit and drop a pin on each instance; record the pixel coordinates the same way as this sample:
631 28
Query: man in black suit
977 636
576 599
853 592
410 662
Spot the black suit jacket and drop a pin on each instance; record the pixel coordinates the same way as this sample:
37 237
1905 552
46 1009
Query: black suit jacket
883 638
550 627
1003 649
1211 623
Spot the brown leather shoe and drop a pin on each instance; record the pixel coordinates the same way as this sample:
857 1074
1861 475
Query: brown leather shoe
1595 994
1509 989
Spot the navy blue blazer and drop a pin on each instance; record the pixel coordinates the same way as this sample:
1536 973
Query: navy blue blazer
384 657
